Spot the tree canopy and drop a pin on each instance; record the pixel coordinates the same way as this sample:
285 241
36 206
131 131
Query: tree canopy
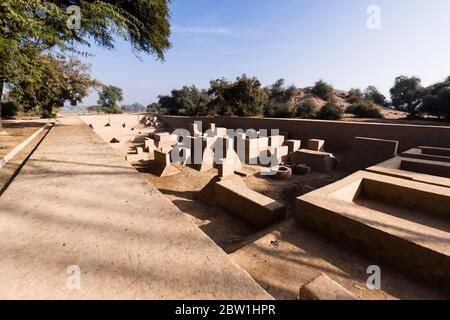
406 94
30 27
243 97
108 98
59 81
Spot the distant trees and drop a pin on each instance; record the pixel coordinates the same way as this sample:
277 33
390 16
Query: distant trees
186 101
135 107
409 95
246 97
108 98
243 97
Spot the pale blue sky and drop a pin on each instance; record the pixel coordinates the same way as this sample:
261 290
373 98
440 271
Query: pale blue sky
298 40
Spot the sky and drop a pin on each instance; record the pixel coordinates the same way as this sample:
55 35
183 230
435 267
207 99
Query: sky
344 42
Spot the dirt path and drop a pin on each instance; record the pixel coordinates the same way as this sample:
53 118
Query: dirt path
77 203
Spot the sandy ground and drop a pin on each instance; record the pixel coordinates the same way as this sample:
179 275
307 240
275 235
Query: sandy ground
18 131
77 203
132 132
8 171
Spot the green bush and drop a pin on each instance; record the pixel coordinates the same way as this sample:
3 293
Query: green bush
307 109
323 90
46 114
330 111
364 109
9 109
355 95
278 110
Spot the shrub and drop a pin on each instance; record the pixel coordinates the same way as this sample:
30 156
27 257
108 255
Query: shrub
323 90
372 93
355 95
278 110
307 109
330 111
46 114
9 109
364 109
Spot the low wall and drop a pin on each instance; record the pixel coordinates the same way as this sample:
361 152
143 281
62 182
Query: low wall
337 134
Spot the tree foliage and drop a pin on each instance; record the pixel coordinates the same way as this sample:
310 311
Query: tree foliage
323 90
186 101
373 94
59 81
436 99
355 95
244 97
307 109
330 111
108 99
30 27
406 94
365 109
278 110
135 107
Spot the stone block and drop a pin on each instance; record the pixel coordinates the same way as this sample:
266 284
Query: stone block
276 141
316 145
161 166
324 288
316 160
293 145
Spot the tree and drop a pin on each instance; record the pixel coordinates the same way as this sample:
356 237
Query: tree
324 90
244 97
436 99
355 95
406 94
276 89
108 98
27 27
189 101
372 93
59 81
155 107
